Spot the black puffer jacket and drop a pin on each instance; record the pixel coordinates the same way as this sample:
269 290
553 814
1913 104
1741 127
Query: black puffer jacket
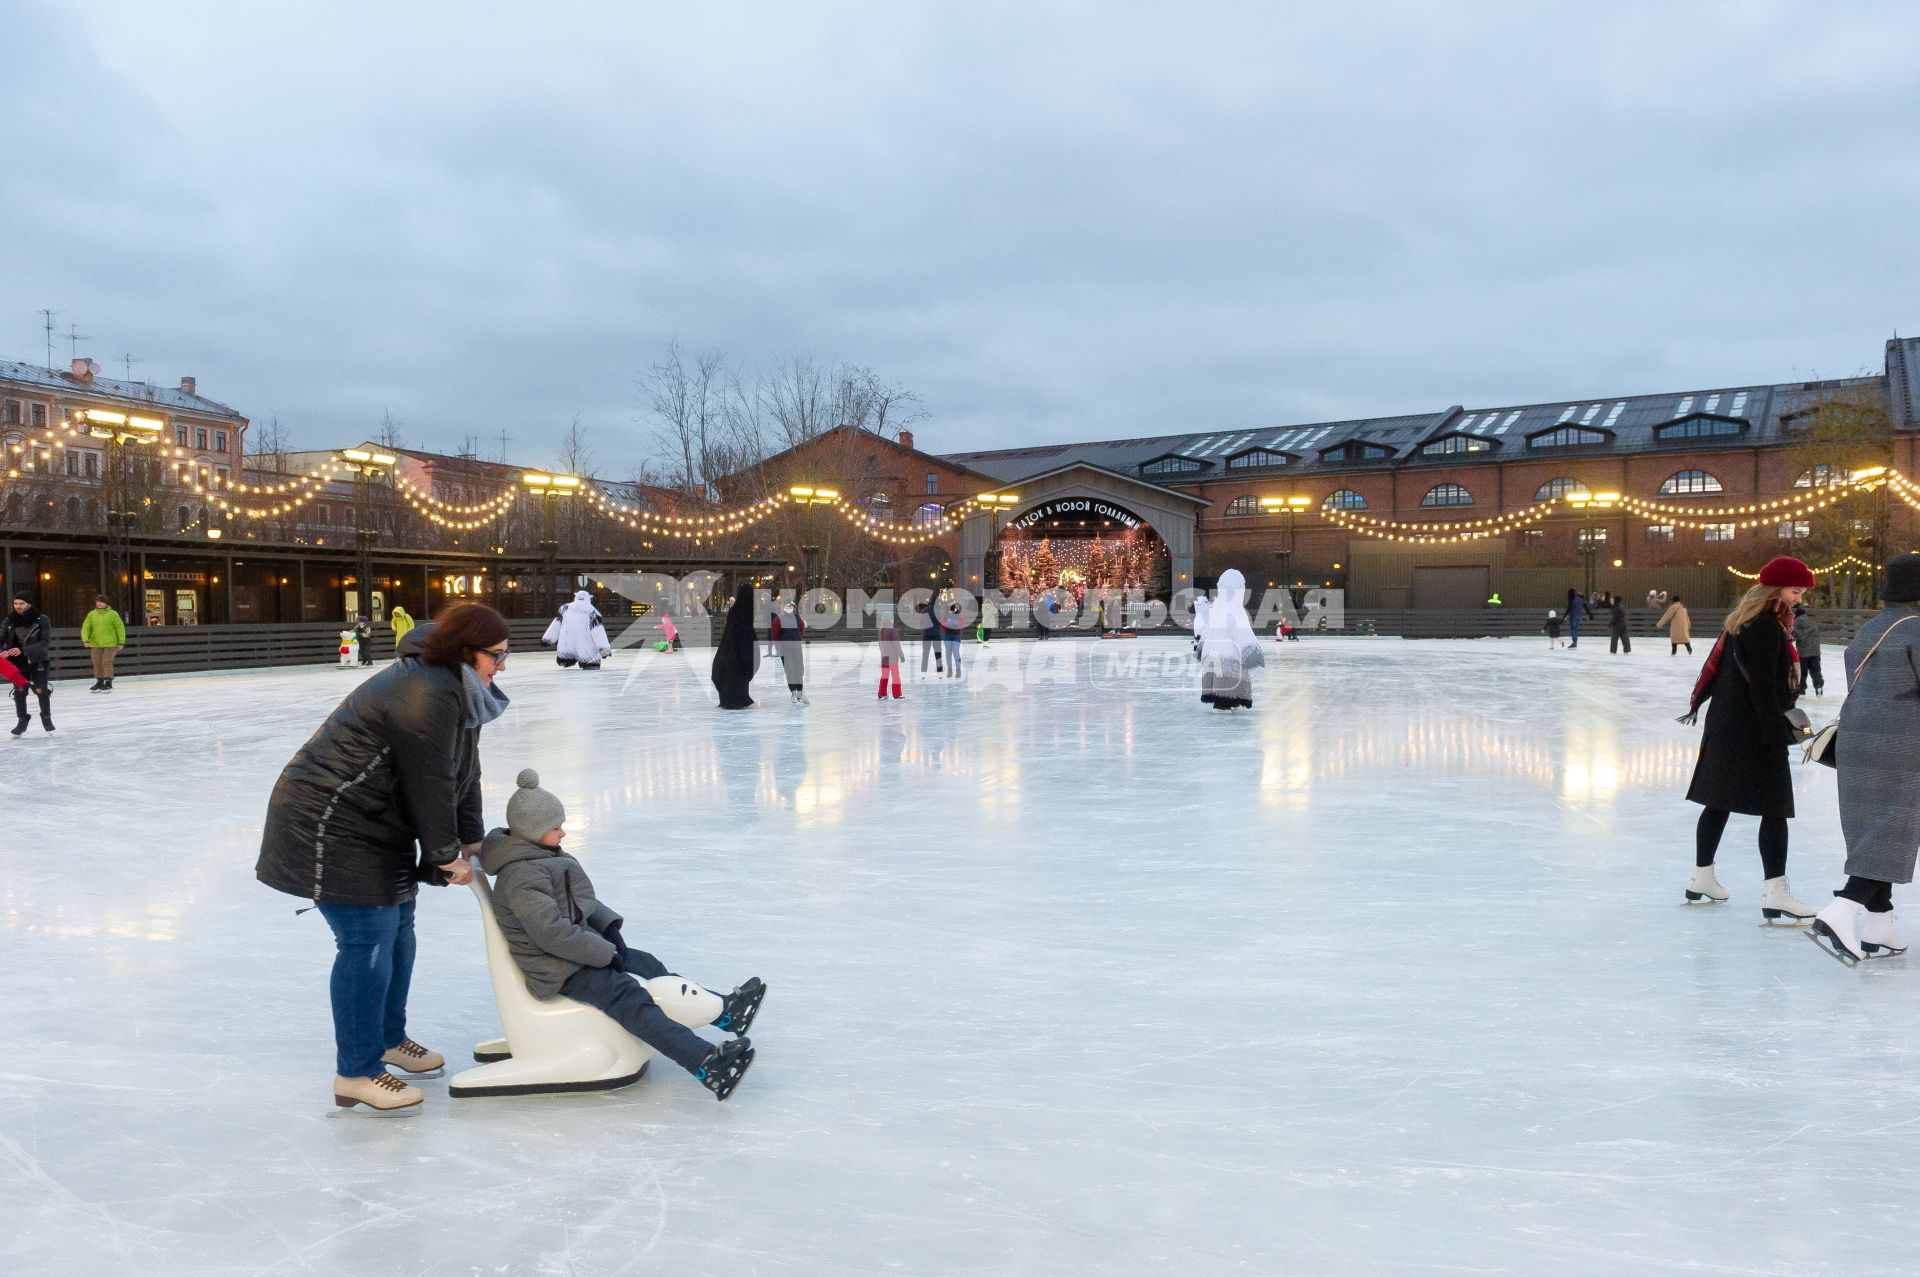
394 768
32 634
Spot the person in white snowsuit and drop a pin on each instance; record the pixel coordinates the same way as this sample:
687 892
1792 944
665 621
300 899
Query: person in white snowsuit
1200 607
577 634
1229 653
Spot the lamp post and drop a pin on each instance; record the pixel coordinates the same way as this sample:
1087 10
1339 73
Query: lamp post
998 506
1590 544
1291 507
811 496
366 466
117 430
550 487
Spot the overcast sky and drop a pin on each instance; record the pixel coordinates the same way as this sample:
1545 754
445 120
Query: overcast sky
1053 221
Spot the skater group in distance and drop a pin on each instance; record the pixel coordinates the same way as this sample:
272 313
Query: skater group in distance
1752 677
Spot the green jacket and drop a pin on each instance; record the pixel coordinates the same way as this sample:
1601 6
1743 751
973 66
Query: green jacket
103 628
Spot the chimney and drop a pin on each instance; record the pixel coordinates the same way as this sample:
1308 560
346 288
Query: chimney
85 369
906 438
188 386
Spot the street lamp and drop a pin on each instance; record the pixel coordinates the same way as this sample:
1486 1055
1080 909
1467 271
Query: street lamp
1589 543
550 488
1292 508
366 467
810 496
118 430
998 506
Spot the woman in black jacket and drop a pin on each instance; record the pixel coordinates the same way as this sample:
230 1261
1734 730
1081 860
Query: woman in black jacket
1751 676
26 639
737 658
386 795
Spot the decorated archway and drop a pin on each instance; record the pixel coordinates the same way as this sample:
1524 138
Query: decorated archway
1096 525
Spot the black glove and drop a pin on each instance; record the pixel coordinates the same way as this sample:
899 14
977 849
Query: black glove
618 962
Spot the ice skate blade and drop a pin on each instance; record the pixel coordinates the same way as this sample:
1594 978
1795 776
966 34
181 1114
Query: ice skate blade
1822 935
407 1075
1781 918
1698 897
1880 950
344 1107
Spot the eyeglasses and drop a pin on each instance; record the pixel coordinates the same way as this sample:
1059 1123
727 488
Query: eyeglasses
499 654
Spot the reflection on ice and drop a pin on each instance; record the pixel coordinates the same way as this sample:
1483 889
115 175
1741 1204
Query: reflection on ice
1072 975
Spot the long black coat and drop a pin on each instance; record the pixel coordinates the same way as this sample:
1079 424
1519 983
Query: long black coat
1743 751
738 656
394 768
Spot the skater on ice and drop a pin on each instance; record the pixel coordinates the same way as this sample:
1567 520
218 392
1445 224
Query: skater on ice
892 657
103 634
1749 677
401 622
363 640
567 943
1679 626
385 796
1229 652
26 642
789 637
577 635
1806 641
736 658
1552 627
1877 748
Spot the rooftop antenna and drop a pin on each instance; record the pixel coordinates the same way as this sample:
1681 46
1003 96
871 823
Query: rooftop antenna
74 338
130 362
503 445
48 325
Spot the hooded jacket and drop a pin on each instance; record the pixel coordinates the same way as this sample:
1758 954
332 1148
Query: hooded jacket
32 633
386 791
548 914
737 657
103 628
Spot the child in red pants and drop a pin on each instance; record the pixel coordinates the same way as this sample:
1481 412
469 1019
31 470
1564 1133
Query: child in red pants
14 676
892 656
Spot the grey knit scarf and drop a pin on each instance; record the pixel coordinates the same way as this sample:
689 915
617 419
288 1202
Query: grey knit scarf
484 702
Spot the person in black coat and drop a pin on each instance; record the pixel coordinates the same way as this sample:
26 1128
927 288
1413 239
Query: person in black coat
1617 637
737 658
26 639
1750 678
386 795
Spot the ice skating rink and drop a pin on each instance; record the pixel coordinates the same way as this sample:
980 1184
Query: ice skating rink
1068 974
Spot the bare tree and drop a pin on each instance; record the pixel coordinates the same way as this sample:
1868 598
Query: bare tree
1842 430
689 402
387 435
269 443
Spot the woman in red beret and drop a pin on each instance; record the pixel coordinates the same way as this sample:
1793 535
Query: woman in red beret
1752 678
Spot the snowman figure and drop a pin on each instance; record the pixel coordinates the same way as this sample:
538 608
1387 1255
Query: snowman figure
349 648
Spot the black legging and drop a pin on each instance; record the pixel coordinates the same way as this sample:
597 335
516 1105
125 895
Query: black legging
1773 840
1877 896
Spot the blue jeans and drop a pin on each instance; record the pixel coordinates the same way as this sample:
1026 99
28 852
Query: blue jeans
372 970
633 1008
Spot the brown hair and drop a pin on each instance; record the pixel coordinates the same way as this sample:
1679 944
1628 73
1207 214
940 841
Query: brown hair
459 632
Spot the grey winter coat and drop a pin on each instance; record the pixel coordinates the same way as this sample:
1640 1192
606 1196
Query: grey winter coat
1879 749
547 911
1806 636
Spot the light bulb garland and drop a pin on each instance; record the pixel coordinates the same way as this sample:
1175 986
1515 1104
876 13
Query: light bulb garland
1850 560
490 507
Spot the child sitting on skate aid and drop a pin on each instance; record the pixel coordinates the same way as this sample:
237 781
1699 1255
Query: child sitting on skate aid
566 942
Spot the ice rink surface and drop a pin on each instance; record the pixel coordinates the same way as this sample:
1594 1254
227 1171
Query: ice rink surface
1069 974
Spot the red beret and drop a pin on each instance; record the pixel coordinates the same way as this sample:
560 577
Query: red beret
1787 573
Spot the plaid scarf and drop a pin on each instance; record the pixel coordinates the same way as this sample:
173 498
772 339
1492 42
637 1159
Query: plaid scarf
1703 686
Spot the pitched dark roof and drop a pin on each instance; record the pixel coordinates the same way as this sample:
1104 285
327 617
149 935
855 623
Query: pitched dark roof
129 392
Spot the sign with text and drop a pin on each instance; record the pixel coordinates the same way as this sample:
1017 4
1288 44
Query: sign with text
1079 507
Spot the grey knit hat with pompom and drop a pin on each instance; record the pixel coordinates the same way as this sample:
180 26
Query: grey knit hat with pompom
532 812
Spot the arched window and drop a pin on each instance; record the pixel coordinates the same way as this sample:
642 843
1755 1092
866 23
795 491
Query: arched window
1169 465
1240 507
1554 489
1690 483
183 517
1821 476
1447 494
1345 499
1568 437
1256 458
1454 444
927 516
76 511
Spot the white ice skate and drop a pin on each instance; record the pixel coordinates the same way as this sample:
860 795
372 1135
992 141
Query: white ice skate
1880 935
1704 886
1835 930
1779 908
